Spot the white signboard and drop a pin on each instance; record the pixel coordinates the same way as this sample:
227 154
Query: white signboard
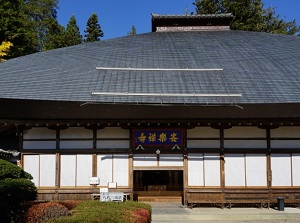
94 180
111 196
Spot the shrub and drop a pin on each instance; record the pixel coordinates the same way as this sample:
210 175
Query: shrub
112 212
69 204
45 212
15 190
9 170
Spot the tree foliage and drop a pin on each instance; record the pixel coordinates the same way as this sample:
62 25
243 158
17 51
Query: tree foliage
93 29
15 190
4 49
42 15
132 31
15 27
249 15
32 26
72 34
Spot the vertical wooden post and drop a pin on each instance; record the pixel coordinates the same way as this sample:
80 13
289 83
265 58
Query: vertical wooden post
57 165
222 159
94 164
185 176
269 170
130 174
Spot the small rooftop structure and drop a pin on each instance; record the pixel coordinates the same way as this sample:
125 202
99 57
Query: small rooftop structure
204 22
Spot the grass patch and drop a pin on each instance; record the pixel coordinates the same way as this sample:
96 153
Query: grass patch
110 212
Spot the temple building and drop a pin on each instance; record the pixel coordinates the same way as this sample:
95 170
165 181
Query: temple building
192 112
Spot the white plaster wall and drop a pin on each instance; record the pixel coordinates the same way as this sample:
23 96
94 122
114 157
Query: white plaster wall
113 144
39 144
113 132
39 133
76 144
245 132
76 133
144 160
170 160
203 132
255 144
203 144
286 132
285 144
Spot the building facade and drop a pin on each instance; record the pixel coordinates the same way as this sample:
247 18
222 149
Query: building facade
192 111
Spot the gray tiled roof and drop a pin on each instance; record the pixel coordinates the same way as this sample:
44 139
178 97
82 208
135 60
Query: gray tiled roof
264 68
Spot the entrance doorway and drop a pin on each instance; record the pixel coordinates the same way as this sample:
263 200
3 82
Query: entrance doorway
158 183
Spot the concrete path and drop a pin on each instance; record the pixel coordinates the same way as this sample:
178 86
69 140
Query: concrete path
173 212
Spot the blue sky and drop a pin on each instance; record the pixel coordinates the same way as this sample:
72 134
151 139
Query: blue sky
116 17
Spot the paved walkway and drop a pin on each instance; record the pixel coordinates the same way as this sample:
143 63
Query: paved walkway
162 212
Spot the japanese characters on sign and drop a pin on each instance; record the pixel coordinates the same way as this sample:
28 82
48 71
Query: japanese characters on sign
154 137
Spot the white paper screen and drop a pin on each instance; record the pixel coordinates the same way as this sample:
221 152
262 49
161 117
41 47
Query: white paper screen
281 169
31 165
104 169
195 170
68 170
84 170
212 169
47 170
256 170
234 170
296 169
120 170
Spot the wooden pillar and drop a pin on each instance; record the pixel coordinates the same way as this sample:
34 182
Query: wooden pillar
222 159
57 165
94 164
185 176
269 170
130 163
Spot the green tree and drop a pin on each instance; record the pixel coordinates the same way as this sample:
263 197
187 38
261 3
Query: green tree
249 15
42 15
72 34
16 190
209 6
55 37
132 31
93 29
15 27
